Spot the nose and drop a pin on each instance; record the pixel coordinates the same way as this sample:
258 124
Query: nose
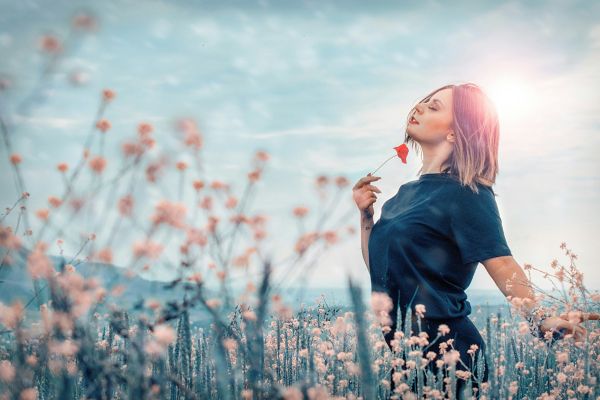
418 108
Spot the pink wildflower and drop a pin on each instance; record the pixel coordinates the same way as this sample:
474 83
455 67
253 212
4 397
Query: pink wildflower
170 213
562 357
212 224
144 129
196 277
164 334
420 310
198 185
241 261
292 393
77 204
262 155
105 255
217 185
259 234
381 302
132 149
231 202
97 164
341 181
108 95
451 357
249 315
7 371
103 125
8 239
147 249
50 44
126 205
29 394
443 329
38 264
10 316
330 237
472 349
191 134
153 169
322 180
305 242
62 167
42 214
54 201
84 22
15 158
206 203
254 176
213 303
196 236
66 348
300 211
230 344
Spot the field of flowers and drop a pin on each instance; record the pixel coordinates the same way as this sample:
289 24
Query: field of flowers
73 338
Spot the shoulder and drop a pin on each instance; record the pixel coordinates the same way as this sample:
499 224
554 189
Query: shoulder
464 199
465 191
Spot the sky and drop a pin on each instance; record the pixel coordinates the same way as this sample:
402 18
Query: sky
324 87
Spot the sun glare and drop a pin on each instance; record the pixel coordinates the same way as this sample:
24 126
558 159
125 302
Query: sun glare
512 97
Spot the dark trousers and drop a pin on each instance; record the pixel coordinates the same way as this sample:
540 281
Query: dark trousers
464 333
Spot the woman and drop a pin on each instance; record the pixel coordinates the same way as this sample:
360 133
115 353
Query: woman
433 233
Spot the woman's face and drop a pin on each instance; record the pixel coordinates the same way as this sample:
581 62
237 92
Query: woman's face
433 119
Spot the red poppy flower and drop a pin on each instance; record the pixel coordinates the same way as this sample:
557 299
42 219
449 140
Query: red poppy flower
401 152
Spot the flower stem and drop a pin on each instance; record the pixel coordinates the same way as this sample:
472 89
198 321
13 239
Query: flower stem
371 173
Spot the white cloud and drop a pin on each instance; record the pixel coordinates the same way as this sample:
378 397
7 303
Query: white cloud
207 30
51 122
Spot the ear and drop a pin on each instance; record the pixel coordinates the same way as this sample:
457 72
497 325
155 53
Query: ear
450 136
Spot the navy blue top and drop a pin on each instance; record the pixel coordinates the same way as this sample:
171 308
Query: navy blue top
428 242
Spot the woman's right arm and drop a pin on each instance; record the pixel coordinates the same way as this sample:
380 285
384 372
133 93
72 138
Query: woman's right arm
366 223
364 196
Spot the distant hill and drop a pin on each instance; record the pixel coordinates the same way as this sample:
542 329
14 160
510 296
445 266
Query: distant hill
16 284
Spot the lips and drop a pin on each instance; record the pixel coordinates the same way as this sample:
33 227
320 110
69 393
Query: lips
413 121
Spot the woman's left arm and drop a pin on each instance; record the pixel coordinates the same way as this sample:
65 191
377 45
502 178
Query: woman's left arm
512 282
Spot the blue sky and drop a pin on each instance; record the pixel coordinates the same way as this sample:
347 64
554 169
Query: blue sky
324 87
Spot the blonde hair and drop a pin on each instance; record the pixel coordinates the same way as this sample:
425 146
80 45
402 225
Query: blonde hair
474 158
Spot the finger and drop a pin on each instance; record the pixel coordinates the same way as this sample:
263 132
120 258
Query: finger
565 325
583 316
591 316
373 188
581 329
360 183
364 180
577 331
580 334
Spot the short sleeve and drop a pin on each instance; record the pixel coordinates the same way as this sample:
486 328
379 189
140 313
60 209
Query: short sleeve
476 226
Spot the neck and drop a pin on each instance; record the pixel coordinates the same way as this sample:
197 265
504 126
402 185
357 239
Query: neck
434 159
